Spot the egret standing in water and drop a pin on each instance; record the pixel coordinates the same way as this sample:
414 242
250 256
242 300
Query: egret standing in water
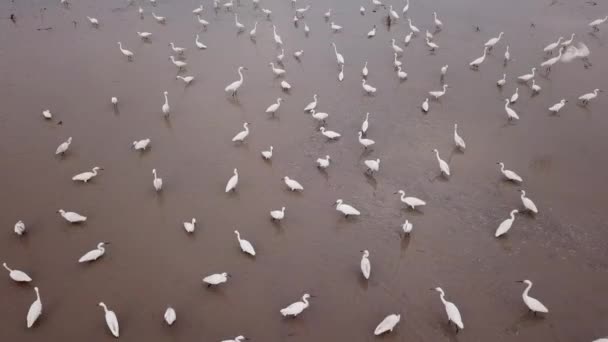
165 108
216 279
407 227
86 176
411 202
170 316
234 86
292 184
458 141
71 216
240 137
296 308
272 109
346 209
190 226
267 155
510 175
528 204
443 165
245 245
16 275
278 215
311 106
505 225
95 253
19 228
63 147
451 310
533 304
35 310
387 324
233 181
558 106
366 267
111 320
157 182
493 41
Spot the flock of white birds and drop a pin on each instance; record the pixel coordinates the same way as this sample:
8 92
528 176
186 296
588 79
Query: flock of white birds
556 52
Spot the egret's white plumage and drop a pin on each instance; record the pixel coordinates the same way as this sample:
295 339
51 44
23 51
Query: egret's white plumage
407 227
170 315
528 204
597 22
525 78
233 181
331 135
165 107
372 32
550 47
451 310
320 116
47 114
240 137
558 106
366 266
234 86
411 202
515 96
387 324
158 18
365 71
35 310
278 214
510 175
477 62
432 46
458 141
141 144
413 28
86 176
396 47
190 226
17 275
144 35
179 64
157 182
296 308
339 57
439 93
589 96
368 88
272 109
572 52
323 163
19 228
511 114
365 124
94 254
533 304
535 87
292 184
443 165
311 106
71 216
127 53
425 105
186 79
335 27
346 209
254 30
365 142
63 147
111 320
216 279
268 153
493 41
505 225
245 245
94 22
372 165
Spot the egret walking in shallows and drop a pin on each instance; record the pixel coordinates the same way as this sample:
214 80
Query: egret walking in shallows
596 23
190 226
47 114
507 55
198 43
71 216
272 109
525 78
438 23
331 135
19 228
528 204
125 52
202 22
321 117
347 210
558 106
511 114
170 315
114 101
63 147
365 71
285 86
159 19
369 89
86 176
411 202
240 137
460 144
339 57
144 35
157 182
533 304
278 215
505 225
234 86
311 106
443 165
413 28
216 279
323 163
387 324
365 124
297 307
35 310
476 63
95 253
366 267
292 184
510 175
165 108
141 144
111 320
493 41
549 48
237 339
245 245
267 155
233 181
407 227
94 22
187 79
535 88
198 10
515 96
16 275
439 93
372 166
432 46
371 33
365 142
589 96
179 64
451 310
425 105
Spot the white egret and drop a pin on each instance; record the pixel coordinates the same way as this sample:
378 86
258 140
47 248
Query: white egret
439 93
589 96
233 181
331 135
366 266
443 165
515 96
301 11
202 21
17 275
365 124
411 202
387 324
267 154
362 10
71 216
234 86
144 35
275 70
277 38
63 147
267 12
198 10
369 89
170 315
141 144
451 310
551 61
281 56
477 62
216 279
397 63
511 114
558 106
569 41
364 141
94 254
165 108
335 27
272 109
510 175
94 22
199 44
535 87
278 215
228 5
371 33
533 304
407 227
346 209
408 38
125 52
425 105
186 79
444 70
19 228
254 30
292 184
86 176
525 78
157 182
501 82
549 48
579 51
114 101
111 320
285 86
323 163
406 7
190 226
240 137
396 47
47 114
365 71
179 64
413 28
306 28
339 57
297 307
507 55
239 27
493 41
35 310
245 245
372 165
341 73
327 14
432 46
438 23
458 141
311 106
505 225
528 204
393 13
596 23
298 54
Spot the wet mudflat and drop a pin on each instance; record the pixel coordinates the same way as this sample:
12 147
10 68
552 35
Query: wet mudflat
73 69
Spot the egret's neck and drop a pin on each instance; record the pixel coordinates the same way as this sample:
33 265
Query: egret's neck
525 294
240 75
8 269
442 296
305 300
